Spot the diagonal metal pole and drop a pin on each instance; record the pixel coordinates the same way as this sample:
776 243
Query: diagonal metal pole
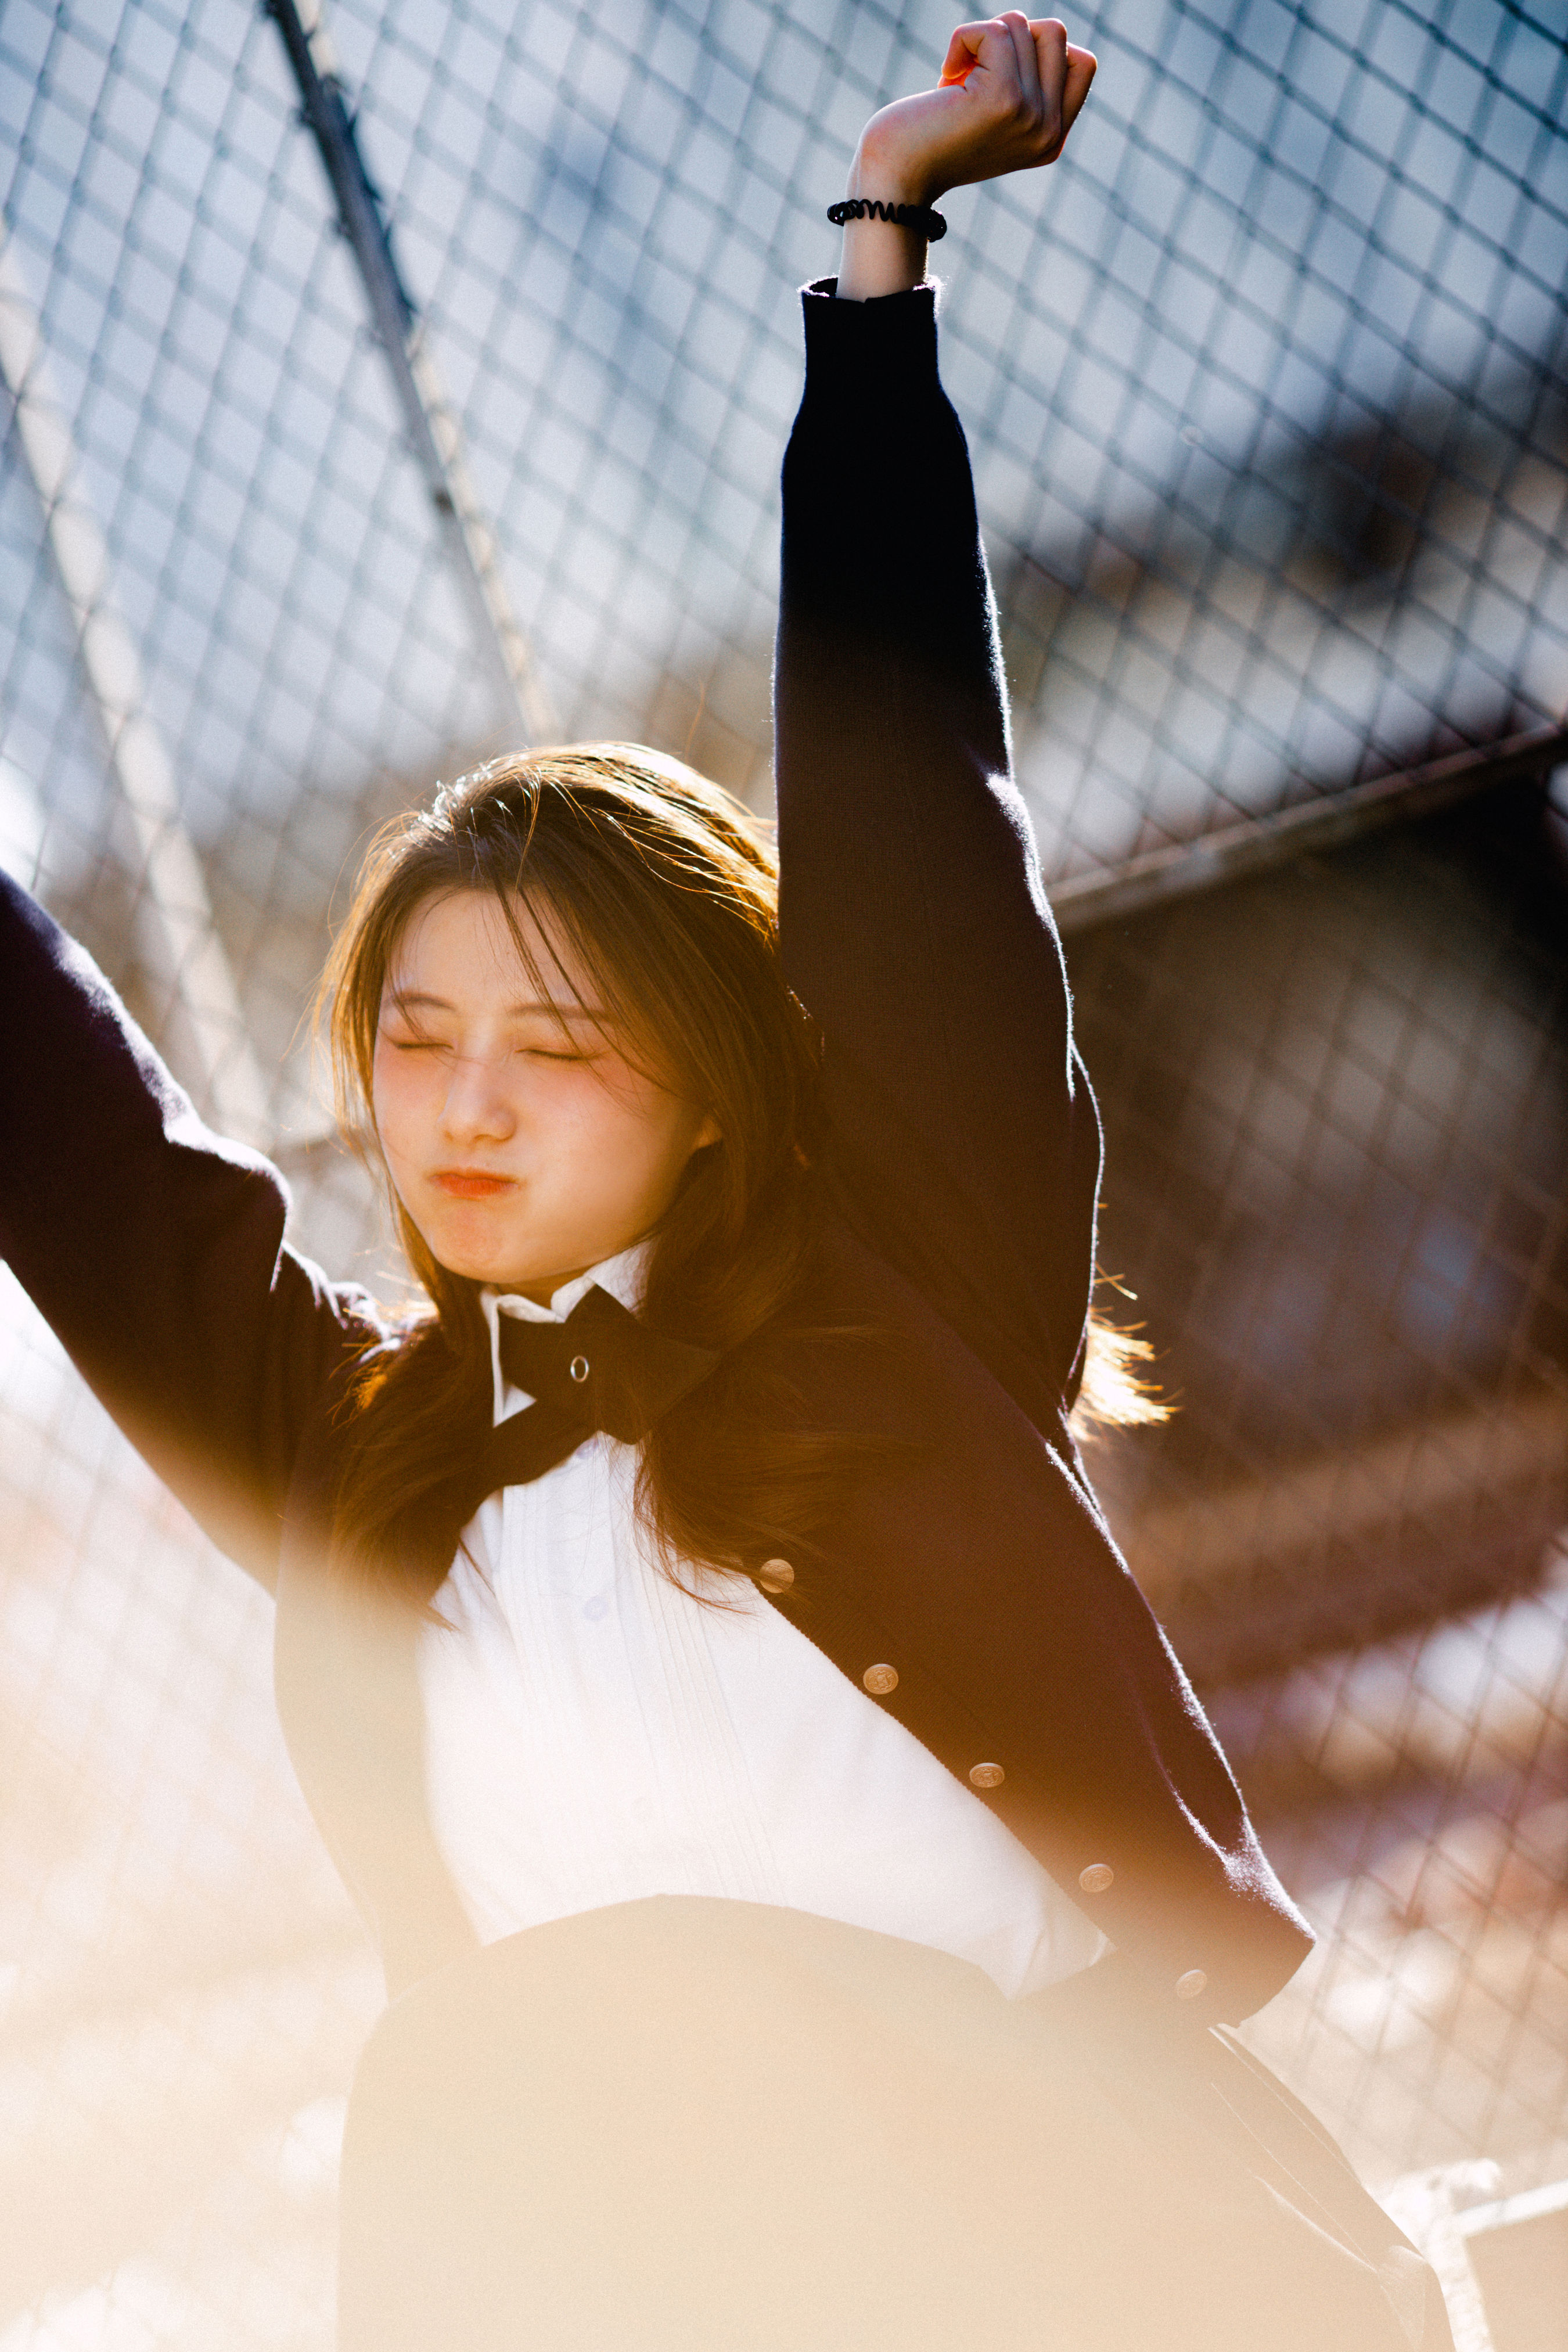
1307 828
434 434
176 935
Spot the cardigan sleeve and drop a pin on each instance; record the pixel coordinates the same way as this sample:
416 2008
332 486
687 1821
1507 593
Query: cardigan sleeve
155 1249
964 1136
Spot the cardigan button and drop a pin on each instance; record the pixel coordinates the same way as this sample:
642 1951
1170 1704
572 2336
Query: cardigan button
1097 1878
775 1576
986 1776
1189 1987
881 1680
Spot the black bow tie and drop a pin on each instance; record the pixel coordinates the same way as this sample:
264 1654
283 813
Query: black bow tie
600 1370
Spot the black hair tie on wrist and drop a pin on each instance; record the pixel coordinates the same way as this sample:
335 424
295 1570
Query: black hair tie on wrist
931 224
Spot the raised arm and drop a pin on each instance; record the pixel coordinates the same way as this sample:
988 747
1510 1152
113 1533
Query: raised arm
154 1248
915 927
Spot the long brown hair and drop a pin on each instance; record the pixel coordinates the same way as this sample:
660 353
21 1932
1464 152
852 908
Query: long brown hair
667 891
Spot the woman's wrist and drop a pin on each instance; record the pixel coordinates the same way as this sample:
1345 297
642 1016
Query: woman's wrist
883 167
879 257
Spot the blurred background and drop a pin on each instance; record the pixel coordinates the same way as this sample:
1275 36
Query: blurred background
317 489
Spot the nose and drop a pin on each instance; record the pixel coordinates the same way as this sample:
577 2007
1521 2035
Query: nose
477 1108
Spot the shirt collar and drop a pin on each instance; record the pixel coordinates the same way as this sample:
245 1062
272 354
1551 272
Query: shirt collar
625 1277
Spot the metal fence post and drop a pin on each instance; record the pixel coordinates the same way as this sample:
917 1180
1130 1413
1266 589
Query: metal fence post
434 436
176 931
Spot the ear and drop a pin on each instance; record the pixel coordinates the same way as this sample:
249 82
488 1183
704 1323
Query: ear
706 1134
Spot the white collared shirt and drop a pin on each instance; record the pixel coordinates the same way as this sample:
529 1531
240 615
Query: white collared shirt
594 1734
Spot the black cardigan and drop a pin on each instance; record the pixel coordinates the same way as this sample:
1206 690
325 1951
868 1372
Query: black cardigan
961 1174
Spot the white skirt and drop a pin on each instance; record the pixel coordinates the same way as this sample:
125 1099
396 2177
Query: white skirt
694 2125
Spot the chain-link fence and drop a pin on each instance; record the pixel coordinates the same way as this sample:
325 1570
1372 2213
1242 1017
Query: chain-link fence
1264 394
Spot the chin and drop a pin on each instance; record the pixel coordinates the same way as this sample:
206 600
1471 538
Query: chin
495 1267
477 1257
469 1267
502 1270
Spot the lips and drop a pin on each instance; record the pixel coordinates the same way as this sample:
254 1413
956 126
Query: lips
470 1183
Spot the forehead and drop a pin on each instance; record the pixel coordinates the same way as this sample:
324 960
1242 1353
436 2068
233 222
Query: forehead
460 945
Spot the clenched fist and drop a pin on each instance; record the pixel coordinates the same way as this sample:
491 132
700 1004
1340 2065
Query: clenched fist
1010 91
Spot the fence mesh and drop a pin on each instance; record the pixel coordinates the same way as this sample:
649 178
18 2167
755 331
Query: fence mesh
1265 395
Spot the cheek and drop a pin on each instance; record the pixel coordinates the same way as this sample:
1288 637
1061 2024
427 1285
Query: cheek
648 1129
394 1102
606 1133
591 1126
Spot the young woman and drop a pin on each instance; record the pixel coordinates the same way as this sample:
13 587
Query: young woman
805 1880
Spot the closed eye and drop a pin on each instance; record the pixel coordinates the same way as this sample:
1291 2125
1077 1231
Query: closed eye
528 1053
